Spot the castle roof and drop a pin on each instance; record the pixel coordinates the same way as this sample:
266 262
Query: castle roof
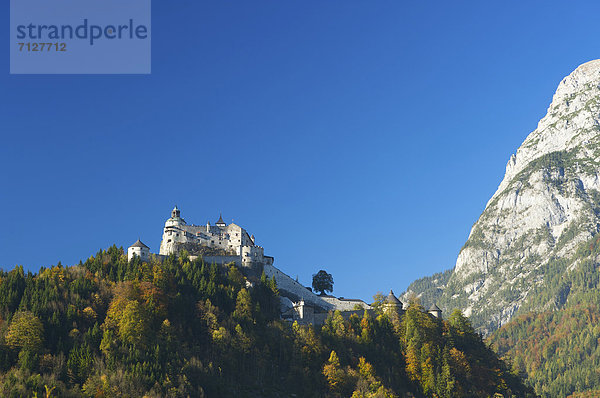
220 220
434 308
139 243
391 299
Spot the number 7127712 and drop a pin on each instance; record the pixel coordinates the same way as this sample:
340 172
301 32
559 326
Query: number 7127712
42 46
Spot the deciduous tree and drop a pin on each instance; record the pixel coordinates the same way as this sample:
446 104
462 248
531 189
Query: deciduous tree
322 282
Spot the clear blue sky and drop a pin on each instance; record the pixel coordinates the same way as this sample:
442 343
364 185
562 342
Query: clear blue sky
359 137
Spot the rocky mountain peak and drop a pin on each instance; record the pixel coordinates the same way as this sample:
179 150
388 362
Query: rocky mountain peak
570 113
547 203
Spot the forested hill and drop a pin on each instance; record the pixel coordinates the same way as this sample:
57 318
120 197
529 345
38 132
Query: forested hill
109 328
558 348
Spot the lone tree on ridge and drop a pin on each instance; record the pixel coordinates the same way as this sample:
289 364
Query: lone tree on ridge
322 282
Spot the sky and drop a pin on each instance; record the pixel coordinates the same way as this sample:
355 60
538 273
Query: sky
362 138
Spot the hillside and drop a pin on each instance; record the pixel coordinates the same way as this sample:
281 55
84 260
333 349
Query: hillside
180 328
547 204
559 350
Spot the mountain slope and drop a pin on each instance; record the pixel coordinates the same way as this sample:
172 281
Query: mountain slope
547 204
559 350
179 328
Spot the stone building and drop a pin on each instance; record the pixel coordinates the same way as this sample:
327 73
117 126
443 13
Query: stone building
435 311
391 304
220 243
138 249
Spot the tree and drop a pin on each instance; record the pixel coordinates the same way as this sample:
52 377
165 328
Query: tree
337 379
322 282
243 306
25 331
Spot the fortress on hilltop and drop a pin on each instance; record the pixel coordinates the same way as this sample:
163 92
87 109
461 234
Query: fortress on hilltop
219 243
231 244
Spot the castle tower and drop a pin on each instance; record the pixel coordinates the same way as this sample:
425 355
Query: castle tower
391 304
138 249
220 223
175 219
305 312
173 233
435 311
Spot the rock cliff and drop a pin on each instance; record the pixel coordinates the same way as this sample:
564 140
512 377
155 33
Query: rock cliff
546 205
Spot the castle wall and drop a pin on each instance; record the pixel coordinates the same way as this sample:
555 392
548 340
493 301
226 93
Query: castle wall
220 259
345 304
231 238
142 252
298 291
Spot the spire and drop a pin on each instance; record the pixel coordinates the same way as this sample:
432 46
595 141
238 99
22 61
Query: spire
220 222
175 212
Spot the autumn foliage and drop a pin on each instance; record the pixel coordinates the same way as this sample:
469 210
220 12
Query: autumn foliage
180 328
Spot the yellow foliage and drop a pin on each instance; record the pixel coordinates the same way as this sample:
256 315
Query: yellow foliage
158 275
25 331
413 366
56 273
48 391
134 324
333 372
89 313
220 336
460 364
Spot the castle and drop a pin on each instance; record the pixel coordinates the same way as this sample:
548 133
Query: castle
225 244
219 243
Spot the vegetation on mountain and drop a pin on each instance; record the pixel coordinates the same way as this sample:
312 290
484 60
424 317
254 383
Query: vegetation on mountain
558 348
429 288
555 341
179 328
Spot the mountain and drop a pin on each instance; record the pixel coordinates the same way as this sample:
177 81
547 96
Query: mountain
536 229
177 327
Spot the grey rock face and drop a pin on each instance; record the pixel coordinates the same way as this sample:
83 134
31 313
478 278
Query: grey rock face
547 203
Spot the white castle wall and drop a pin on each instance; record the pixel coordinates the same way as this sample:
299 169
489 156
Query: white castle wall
286 283
345 304
231 238
142 252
